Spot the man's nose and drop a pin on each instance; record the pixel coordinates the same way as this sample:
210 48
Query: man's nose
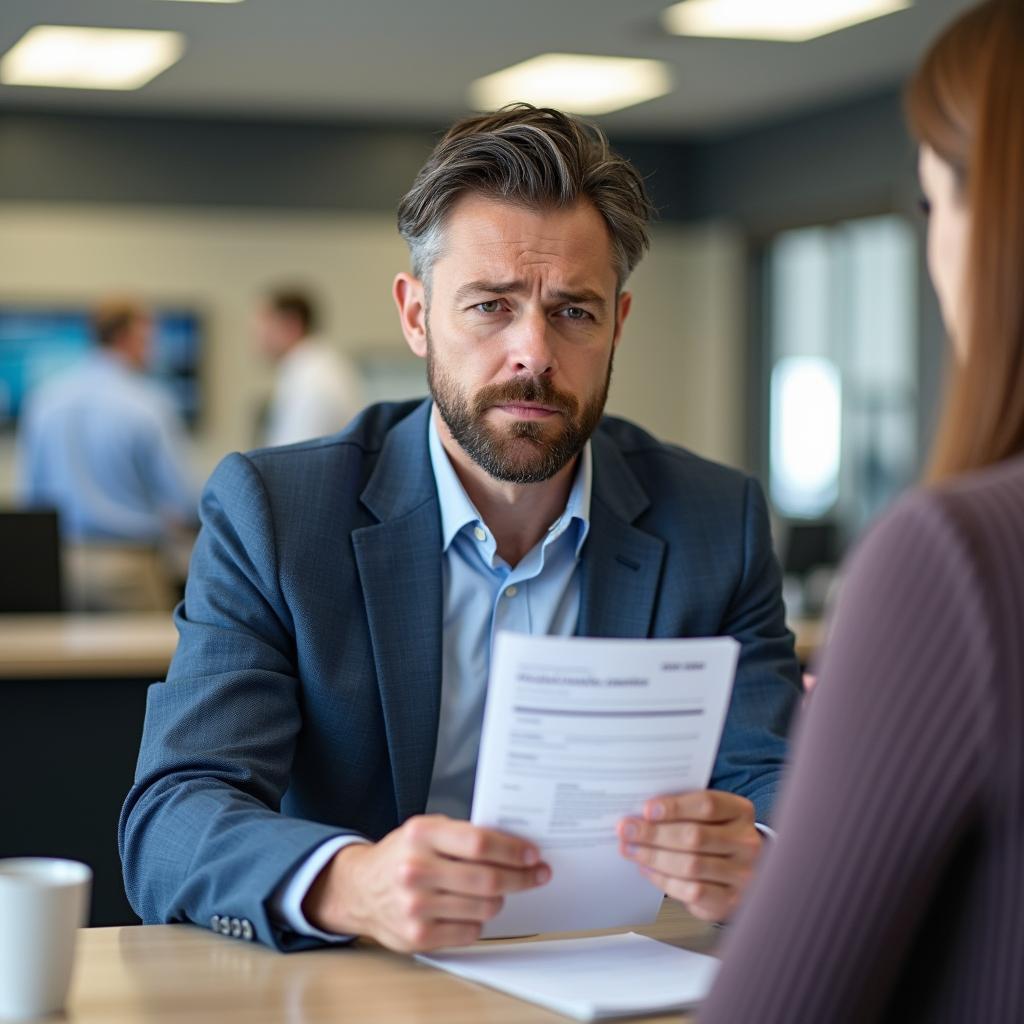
530 349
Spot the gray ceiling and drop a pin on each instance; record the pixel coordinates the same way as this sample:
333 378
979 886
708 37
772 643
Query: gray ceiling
410 60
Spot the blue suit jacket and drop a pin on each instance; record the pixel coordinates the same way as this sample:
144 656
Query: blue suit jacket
302 702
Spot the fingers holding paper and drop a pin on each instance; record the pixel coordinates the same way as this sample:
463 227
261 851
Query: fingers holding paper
433 882
698 847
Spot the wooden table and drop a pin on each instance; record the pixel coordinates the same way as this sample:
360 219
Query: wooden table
136 646
810 635
179 973
86 646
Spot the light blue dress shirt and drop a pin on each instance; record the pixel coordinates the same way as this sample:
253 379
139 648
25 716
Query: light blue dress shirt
482 594
105 447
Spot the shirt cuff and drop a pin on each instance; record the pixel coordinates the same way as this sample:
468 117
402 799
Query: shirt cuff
286 900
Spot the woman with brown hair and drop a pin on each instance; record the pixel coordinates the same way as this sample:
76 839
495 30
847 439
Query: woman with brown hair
895 889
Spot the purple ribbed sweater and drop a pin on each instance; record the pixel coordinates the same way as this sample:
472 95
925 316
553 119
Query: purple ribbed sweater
895 890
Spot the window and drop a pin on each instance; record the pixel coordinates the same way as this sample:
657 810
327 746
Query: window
843 371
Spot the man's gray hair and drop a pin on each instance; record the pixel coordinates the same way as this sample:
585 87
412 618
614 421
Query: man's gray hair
530 156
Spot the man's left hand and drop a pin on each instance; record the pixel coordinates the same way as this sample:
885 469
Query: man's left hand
699 848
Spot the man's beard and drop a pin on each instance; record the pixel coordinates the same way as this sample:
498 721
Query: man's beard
527 451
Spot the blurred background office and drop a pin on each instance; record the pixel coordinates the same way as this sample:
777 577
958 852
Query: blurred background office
208 158
103 447
317 389
782 322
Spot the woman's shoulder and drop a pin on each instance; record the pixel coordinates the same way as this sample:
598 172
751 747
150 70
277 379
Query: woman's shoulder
945 565
984 491
976 514
977 517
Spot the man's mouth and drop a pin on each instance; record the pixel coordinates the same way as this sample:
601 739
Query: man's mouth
528 410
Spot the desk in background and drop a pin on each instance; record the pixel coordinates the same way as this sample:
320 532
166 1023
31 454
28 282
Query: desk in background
170 973
86 646
810 635
141 646
72 703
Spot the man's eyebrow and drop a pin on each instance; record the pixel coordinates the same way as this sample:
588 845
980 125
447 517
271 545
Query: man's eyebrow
583 295
490 287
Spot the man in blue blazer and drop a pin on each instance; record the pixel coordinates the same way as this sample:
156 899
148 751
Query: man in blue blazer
307 768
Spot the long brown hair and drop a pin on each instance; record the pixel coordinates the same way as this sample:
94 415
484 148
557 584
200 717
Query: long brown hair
966 102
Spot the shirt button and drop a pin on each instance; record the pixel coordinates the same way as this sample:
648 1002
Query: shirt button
511 591
480 534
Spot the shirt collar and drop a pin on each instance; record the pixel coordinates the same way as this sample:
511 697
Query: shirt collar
299 351
458 512
106 362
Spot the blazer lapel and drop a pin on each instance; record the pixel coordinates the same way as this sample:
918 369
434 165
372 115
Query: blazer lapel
399 562
621 565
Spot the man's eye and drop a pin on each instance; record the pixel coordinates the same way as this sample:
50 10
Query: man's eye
575 313
490 306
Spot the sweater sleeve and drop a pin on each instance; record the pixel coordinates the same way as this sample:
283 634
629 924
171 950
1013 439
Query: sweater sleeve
887 773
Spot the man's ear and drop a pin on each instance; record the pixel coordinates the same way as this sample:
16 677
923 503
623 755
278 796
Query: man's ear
410 298
625 304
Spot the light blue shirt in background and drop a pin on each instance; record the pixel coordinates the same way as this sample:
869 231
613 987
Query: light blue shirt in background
481 594
106 448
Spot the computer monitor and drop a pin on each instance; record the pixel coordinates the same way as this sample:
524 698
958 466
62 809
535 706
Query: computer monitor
809 545
39 341
30 576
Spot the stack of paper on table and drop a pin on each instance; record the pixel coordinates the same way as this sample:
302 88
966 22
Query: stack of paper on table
589 979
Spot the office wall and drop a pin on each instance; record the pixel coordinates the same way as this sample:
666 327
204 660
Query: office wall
824 164
679 371
838 160
681 368
220 162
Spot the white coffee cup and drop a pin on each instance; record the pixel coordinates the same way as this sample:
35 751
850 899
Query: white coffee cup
43 903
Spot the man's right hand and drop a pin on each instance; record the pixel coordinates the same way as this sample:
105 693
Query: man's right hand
433 882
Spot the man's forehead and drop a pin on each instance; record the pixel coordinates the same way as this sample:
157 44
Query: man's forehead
488 236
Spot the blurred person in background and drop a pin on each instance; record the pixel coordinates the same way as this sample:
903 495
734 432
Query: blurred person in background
106 448
895 891
317 389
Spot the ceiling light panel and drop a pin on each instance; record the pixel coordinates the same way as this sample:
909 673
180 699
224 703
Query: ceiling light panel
71 57
574 82
778 20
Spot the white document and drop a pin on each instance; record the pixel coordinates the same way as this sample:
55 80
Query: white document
579 733
589 979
